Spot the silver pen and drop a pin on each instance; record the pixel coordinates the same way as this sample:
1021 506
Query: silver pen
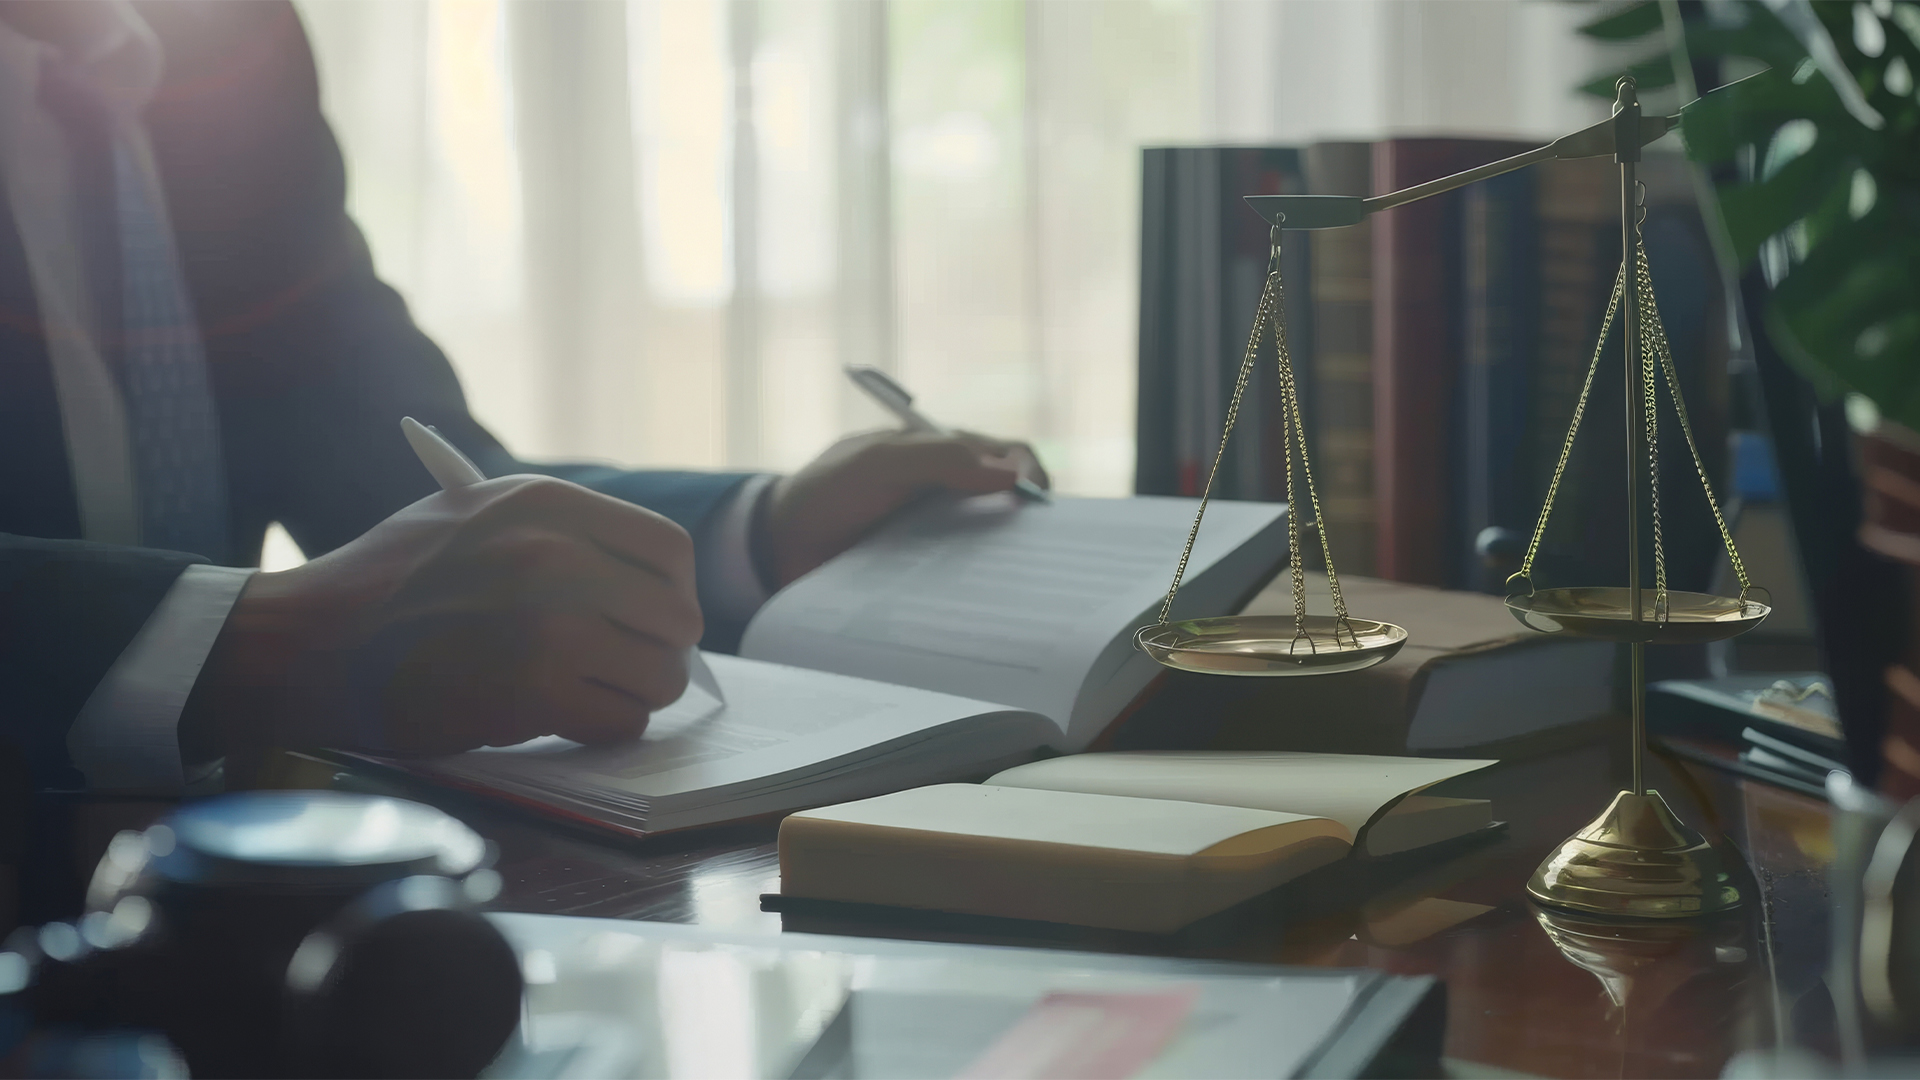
894 398
453 469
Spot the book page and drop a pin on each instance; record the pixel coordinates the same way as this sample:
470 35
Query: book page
1347 788
1039 816
1419 820
1025 604
777 722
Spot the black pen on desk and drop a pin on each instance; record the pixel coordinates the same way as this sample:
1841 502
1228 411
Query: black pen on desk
894 398
452 469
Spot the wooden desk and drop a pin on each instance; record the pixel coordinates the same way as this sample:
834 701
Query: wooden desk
1528 991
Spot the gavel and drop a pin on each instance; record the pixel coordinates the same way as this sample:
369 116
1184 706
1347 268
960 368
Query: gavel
281 934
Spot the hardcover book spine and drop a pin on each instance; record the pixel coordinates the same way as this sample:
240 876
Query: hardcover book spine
1499 273
1246 241
1203 263
1198 267
1339 292
1416 354
1153 470
1577 215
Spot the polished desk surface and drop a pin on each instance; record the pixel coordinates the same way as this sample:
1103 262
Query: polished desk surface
1528 991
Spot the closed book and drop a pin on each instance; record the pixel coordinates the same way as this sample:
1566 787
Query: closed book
1794 707
1499 275
1416 353
1146 842
1469 678
1577 210
1340 287
1203 263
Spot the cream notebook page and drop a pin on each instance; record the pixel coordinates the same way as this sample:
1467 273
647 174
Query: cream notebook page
776 720
1347 788
1033 606
1024 815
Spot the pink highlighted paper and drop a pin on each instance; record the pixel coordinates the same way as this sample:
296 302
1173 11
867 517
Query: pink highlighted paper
1085 1036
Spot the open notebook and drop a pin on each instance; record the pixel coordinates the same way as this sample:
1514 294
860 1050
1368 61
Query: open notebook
1129 841
960 639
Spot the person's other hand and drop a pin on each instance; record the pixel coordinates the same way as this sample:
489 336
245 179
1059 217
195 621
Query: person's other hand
518 607
824 508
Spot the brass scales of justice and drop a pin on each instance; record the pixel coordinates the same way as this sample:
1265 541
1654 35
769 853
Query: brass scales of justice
1636 859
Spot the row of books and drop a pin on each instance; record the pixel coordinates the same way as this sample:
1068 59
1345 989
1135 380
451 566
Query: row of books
1439 349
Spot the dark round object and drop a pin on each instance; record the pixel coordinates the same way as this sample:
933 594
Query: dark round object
404 983
236 887
1500 548
311 839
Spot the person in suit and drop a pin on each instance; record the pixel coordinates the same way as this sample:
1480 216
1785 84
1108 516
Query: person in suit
194 344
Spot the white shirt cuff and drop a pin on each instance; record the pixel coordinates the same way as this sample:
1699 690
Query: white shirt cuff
732 589
126 738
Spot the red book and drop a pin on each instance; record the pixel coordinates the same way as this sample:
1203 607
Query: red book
1416 353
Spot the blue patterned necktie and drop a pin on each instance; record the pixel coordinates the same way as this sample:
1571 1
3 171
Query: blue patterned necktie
154 342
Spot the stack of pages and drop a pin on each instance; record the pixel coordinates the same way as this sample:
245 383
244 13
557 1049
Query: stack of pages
1128 841
960 640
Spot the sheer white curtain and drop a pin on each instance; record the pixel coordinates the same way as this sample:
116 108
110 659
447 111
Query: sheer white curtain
651 231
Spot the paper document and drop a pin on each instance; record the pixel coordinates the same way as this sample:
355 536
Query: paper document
695 1002
1029 605
779 726
1085 1036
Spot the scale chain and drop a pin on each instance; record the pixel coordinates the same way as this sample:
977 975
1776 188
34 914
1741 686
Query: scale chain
1658 339
1270 315
1656 361
1291 403
1573 429
1296 573
1642 286
1649 392
1219 454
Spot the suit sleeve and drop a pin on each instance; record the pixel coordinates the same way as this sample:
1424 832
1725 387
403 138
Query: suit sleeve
314 359
67 610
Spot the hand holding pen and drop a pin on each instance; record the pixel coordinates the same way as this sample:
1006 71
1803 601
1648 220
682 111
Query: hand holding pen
452 469
862 480
894 398
487 614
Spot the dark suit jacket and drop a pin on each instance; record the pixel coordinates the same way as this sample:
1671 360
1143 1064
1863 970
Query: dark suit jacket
313 361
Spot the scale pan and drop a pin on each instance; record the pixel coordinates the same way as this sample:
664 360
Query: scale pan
1267 645
1607 614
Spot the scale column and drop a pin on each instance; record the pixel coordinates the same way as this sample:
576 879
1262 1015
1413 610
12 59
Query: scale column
1637 859
1626 132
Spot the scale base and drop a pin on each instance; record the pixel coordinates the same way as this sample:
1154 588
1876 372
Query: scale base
1636 861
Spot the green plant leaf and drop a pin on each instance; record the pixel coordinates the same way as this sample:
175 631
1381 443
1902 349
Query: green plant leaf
1829 318
1755 212
1630 22
1890 377
1902 352
1826 382
1746 113
1862 276
1845 315
1761 38
1856 242
1831 216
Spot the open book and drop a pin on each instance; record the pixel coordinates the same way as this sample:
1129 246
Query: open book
1131 841
960 639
